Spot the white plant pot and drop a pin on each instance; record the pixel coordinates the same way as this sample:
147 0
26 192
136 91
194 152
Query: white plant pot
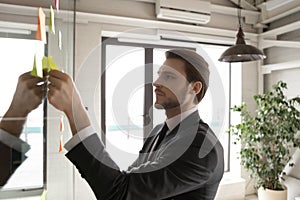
267 194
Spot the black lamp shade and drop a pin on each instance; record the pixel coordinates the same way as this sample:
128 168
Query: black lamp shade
241 52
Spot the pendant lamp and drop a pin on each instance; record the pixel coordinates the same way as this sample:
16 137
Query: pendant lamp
241 52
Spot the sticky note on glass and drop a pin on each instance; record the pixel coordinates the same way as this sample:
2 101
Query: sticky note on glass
52 64
51 21
41 31
45 63
48 63
60 149
61 124
56 3
59 40
37 70
44 195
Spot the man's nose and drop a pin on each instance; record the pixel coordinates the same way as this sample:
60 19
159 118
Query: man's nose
157 83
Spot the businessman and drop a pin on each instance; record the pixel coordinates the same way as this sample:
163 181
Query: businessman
181 159
27 97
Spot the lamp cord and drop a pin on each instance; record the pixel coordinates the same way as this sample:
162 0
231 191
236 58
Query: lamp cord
239 14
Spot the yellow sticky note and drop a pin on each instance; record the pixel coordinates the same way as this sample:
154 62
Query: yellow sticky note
51 21
51 62
41 32
36 71
48 63
44 195
45 63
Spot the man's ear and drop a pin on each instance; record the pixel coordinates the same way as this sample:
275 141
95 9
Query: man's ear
196 87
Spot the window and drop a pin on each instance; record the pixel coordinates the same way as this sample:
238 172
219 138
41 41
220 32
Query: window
129 70
16 58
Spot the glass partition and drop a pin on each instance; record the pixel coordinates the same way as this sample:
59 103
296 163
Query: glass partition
20 47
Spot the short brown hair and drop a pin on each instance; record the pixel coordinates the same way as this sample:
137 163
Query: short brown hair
196 68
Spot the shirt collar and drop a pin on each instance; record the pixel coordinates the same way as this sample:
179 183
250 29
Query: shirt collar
174 121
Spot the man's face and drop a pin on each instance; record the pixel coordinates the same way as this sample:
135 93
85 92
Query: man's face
171 86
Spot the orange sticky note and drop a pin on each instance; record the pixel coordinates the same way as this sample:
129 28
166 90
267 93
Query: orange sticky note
41 31
61 124
60 145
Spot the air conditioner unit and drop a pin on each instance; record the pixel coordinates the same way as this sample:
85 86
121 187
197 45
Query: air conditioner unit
189 11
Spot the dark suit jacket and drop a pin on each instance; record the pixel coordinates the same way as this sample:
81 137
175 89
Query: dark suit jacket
188 166
10 160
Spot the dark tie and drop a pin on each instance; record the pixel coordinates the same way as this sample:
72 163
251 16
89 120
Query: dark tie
161 136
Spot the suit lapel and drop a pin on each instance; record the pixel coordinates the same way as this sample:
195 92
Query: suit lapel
149 141
180 129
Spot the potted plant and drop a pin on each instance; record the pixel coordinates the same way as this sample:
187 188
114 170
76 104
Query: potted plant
267 137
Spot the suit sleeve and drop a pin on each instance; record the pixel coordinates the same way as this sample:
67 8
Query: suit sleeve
169 175
10 160
12 154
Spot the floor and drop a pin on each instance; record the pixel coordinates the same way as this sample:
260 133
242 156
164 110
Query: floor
251 197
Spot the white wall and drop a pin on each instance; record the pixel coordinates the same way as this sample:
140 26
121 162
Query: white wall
59 169
87 79
282 55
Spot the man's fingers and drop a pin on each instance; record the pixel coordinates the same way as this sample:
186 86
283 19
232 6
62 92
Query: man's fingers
34 82
25 76
51 87
31 81
54 82
28 75
58 74
39 89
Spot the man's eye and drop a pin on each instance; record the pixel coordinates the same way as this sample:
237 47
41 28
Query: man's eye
168 77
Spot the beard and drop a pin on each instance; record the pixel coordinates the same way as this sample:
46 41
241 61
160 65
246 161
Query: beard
166 105
170 100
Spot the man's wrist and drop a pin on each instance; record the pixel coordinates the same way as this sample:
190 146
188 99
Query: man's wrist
78 119
16 111
13 121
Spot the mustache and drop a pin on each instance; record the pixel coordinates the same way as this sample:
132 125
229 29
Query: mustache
159 91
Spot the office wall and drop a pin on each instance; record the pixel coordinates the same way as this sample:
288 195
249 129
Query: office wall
290 76
87 79
284 55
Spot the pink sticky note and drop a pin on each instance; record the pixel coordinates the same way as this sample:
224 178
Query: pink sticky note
56 3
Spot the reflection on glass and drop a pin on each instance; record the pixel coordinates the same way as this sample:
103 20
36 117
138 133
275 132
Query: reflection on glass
16 58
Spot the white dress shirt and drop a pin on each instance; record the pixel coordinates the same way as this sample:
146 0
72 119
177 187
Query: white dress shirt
174 121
